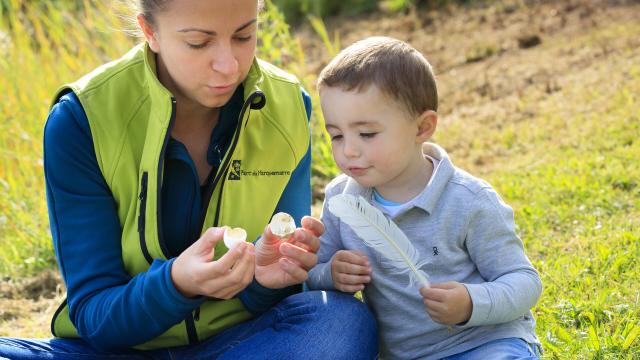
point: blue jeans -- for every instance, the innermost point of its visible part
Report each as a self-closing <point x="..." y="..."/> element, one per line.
<point x="502" y="349"/>
<point x="308" y="325"/>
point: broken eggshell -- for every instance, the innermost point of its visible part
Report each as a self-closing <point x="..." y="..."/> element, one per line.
<point x="282" y="225"/>
<point x="234" y="236"/>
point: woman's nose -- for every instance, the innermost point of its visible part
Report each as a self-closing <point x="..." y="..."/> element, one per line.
<point x="224" y="60"/>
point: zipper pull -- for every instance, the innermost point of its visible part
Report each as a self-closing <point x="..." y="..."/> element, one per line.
<point x="143" y="186"/>
<point x="143" y="202"/>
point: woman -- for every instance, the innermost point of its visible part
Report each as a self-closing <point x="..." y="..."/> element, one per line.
<point x="145" y="159"/>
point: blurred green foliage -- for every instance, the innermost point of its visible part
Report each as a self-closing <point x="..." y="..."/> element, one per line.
<point x="296" y="11"/>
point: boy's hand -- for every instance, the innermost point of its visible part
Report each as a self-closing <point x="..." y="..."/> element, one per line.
<point x="350" y="271"/>
<point x="447" y="303"/>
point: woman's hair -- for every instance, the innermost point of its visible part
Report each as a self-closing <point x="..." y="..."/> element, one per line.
<point x="149" y="8"/>
<point x="397" y="69"/>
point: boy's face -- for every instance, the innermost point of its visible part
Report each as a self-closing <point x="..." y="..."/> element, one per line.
<point x="374" y="140"/>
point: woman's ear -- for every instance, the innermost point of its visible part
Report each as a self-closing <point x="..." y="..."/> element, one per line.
<point x="427" y="123"/>
<point x="149" y="33"/>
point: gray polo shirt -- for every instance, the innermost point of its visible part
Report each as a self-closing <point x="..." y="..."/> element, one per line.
<point x="467" y="233"/>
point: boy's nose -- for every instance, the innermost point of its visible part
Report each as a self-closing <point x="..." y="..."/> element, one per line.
<point x="350" y="150"/>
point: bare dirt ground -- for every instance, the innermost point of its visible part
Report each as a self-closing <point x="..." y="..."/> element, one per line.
<point x="26" y="306"/>
<point x="486" y="57"/>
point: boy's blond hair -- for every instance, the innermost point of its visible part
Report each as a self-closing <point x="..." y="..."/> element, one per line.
<point x="397" y="69"/>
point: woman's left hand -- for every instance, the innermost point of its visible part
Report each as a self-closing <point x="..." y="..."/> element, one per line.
<point x="285" y="262"/>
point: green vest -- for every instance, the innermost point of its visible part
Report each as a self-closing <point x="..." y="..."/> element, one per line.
<point x="131" y="114"/>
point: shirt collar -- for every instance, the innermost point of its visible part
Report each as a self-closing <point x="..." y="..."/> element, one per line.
<point x="223" y="131"/>
<point x="428" y="198"/>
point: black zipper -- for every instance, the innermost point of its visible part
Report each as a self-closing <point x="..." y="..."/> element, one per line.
<point x="142" y="217"/>
<point x="189" y="322"/>
<point x="167" y="136"/>
<point x="143" y="195"/>
<point x="222" y="170"/>
<point x="190" y="325"/>
<point x="217" y="217"/>
<point x="220" y="176"/>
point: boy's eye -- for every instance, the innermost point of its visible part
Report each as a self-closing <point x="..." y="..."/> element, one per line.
<point x="336" y="137"/>
<point x="368" y="135"/>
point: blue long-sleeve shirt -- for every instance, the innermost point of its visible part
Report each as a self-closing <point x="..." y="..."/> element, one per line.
<point x="109" y="308"/>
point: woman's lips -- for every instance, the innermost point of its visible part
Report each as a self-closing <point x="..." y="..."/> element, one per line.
<point x="221" y="89"/>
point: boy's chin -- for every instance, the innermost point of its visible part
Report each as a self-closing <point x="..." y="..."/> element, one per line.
<point x="364" y="182"/>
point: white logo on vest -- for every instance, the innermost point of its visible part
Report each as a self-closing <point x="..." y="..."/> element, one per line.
<point x="237" y="172"/>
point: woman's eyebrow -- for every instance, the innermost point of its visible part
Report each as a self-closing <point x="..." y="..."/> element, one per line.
<point x="242" y="27"/>
<point x="211" y="32"/>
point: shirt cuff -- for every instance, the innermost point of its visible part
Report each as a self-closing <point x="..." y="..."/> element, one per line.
<point x="481" y="305"/>
<point x="320" y="277"/>
<point x="257" y="299"/>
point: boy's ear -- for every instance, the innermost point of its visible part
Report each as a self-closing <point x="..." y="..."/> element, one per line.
<point x="427" y="123"/>
<point x="149" y="33"/>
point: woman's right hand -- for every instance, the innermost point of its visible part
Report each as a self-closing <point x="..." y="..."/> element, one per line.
<point x="193" y="273"/>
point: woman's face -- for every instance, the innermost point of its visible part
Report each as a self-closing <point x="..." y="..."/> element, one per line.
<point x="204" y="48"/>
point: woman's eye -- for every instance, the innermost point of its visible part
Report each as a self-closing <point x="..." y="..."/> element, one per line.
<point x="243" y="38"/>
<point x="197" y="46"/>
<point x="368" y="135"/>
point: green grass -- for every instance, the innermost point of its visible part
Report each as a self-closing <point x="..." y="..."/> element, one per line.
<point x="570" y="170"/>
<point x="578" y="210"/>
<point x="43" y="48"/>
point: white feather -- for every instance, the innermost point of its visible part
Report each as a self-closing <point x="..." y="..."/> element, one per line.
<point x="381" y="234"/>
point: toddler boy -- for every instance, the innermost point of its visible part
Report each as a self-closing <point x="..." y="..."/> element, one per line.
<point x="379" y="101"/>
